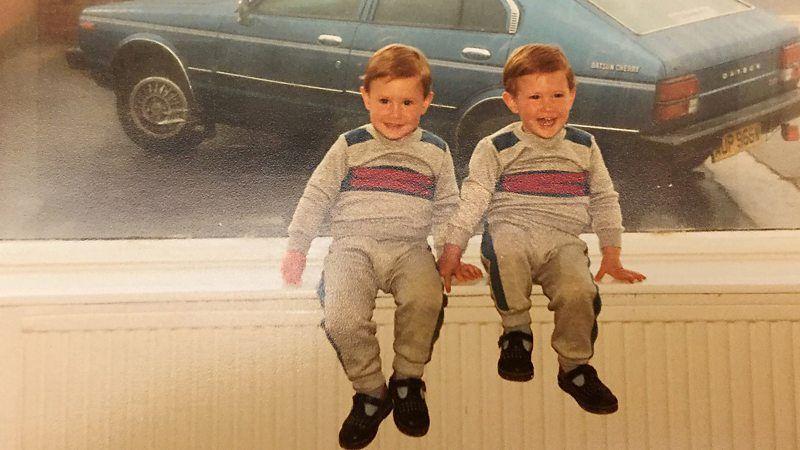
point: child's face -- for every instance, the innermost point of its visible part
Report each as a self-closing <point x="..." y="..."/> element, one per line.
<point x="395" y="105"/>
<point x="542" y="101"/>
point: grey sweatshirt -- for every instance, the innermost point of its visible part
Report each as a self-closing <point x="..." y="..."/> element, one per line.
<point x="375" y="187"/>
<point x="526" y="180"/>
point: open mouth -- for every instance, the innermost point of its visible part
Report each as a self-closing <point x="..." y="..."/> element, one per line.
<point x="546" y="122"/>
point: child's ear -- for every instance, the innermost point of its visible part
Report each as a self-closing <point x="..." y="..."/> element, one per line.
<point x="427" y="102"/>
<point x="571" y="97"/>
<point x="511" y="102"/>
<point x="364" y="96"/>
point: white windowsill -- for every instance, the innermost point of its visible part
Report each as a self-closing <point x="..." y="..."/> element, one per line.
<point x="63" y="272"/>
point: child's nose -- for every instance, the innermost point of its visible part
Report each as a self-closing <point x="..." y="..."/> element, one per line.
<point x="549" y="104"/>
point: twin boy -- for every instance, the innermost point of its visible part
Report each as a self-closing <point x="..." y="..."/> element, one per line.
<point x="388" y="184"/>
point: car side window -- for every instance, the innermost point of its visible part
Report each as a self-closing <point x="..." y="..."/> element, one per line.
<point x="321" y="9"/>
<point x="477" y="15"/>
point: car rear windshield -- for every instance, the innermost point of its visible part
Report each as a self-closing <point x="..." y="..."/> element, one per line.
<point x="647" y="16"/>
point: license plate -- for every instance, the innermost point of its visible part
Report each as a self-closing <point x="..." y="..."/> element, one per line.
<point x="736" y="141"/>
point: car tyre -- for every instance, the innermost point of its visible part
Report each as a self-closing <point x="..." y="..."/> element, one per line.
<point x="157" y="111"/>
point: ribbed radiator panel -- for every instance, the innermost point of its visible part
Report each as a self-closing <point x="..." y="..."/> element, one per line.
<point x="270" y="380"/>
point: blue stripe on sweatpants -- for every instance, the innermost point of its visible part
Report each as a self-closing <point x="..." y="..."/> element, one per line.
<point x="438" y="329"/>
<point x="597" y="304"/>
<point x="321" y="290"/>
<point x="321" y="295"/>
<point x="487" y="250"/>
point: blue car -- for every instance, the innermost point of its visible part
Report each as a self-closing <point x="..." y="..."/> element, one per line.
<point x="662" y="84"/>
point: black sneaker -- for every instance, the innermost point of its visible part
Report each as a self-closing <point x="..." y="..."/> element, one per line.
<point x="590" y="393"/>
<point x="410" y="410"/>
<point x="361" y="425"/>
<point x="515" y="356"/>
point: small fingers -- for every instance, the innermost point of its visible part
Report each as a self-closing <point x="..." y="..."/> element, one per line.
<point x="468" y="272"/>
<point x="628" y="276"/>
<point x="633" y="276"/>
<point x="600" y="274"/>
<point x="475" y="272"/>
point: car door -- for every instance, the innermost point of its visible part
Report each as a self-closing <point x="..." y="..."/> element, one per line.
<point x="288" y="50"/>
<point x="466" y="42"/>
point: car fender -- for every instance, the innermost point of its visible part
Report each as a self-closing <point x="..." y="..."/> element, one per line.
<point x="156" y="40"/>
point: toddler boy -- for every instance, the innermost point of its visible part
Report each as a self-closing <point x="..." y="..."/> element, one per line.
<point x="384" y="185"/>
<point x="540" y="183"/>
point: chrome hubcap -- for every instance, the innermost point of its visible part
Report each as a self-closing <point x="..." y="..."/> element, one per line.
<point x="158" y="107"/>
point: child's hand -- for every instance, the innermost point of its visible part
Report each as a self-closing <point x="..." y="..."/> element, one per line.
<point x="467" y="272"/>
<point x="449" y="263"/>
<point x="292" y="267"/>
<point x="612" y="265"/>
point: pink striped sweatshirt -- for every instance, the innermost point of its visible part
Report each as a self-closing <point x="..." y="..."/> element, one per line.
<point x="375" y="187"/>
<point x="529" y="181"/>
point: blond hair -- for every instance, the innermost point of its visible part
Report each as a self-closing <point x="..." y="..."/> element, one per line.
<point x="398" y="61"/>
<point x="535" y="58"/>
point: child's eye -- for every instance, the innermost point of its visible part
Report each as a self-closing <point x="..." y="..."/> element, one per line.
<point x="384" y="101"/>
<point x="535" y="97"/>
<point x="408" y="102"/>
<point x="559" y="95"/>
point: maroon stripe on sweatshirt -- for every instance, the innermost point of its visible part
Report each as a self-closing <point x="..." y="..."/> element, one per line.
<point x="550" y="183"/>
<point x="399" y="180"/>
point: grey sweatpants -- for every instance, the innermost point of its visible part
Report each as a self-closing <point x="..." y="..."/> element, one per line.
<point x="354" y="269"/>
<point x="515" y="258"/>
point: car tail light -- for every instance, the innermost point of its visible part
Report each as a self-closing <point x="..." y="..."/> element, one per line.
<point x="676" y="97"/>
<point x="86" y="25"/>
<point x="790" y="62"/>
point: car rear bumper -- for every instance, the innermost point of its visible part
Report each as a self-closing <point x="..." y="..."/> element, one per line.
<point x="78" y="60"/>
<point x="770" y="113"/>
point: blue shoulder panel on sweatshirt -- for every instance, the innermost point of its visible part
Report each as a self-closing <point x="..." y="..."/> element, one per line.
<point x="505" y="140"/>
<point x="578" y="136"/>
<point x="431" y="138"/>
<point x="357" y="136"/>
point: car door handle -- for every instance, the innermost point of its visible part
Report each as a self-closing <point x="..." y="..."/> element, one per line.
<point x="329" y="40"/>
<point x="476" y="53"/>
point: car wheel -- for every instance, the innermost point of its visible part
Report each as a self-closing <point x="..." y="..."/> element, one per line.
<point x="157" y="112"/>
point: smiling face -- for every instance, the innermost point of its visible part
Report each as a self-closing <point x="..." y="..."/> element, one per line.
<point x="395" y="105"/>
<point x="543" y="101"/>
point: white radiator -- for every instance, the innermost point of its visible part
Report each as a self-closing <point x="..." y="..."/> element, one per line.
<point x="690" y="370"/>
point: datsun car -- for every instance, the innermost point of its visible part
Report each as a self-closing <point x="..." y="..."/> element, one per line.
<point x="662" y="84"/>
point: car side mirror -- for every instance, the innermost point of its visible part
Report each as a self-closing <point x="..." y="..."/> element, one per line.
<point x="243" y="8"/>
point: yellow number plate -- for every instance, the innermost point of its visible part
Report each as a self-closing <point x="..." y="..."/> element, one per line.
<point x="736" y="141"/>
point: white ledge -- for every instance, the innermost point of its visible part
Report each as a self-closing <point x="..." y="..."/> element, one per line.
<point x="36" y="272"/>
